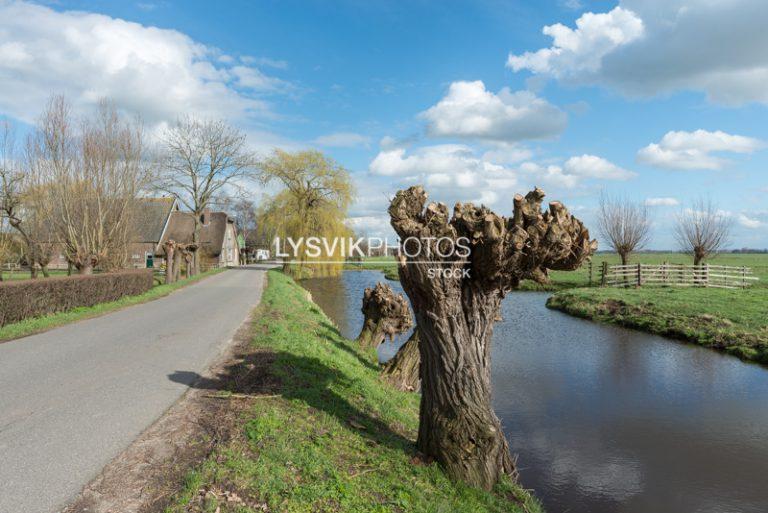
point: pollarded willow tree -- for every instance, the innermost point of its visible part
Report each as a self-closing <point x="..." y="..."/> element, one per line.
<point x="456" y="294"/>
<point x="385" y="313"/>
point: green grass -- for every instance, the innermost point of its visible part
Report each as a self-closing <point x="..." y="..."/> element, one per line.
<point x="38" y="324"/>
<point x="733" y="321"/>
<point x="25" y="275"/>
<point x="562" y="280"/>
<point x="335" y="438"/>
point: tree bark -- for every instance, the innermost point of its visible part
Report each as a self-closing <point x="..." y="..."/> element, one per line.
<point x="456" y="298"/>
<point x="176" y="265"/>
<point x="386" y="314"/>
<point x="624" y="258"/>
<point x="44" y="269"/>
<point x="169" y="247"/>
<point x="402" y="371"/>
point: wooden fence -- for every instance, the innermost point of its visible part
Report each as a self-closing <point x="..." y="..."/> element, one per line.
<point x="676" y="275"/>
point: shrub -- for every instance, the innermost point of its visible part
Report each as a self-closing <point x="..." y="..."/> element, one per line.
<point x="23" y="299"/>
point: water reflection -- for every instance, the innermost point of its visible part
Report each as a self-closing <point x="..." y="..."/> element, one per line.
<point x="606" y="420"/>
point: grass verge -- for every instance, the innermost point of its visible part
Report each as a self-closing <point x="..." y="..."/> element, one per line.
<point x="39" y="324"/>
<point x="733" y="321"/>
<point x="328" y="435"/>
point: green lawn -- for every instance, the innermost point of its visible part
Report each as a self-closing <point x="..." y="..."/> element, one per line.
<point x="25" y="275"/>
<point x="580" y="277"/>
<point x="39" y="324"/>
<point x="734" y="321"/>
<point x="331" y="436"/>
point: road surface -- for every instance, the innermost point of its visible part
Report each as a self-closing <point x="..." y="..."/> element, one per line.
<point x="73" y="398"/>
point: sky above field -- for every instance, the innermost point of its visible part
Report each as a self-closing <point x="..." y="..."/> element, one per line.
<point x="660" y="101"/>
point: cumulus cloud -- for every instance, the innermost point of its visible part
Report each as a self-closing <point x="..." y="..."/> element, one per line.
<point x="749" y="222"/>
<point x="591" y="166"/>
<point x="454" y="171"/>
<point x="648" y="47"/>
<point x="581" y="50"/>
<point x="159" y="73"/>
<point x="343" y="140"/>
<point x="694" y="150"/>
<point x="470" y="111"/>
<point x="662" y="202"/>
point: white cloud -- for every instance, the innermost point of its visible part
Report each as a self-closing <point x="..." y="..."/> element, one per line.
<point x="343" y="140"/>
<point x="503" y="153"/>
<point x="471" y="111"/>
<point x="662" y="202"/>
<point x="549" y="175"/>
<point x="649" y="47"/>
<point x="694" y="150"/>
<point x="454" y="171"/>
<point x="581" y="50"/>
<point x="159" y="73"/>
<point x="372" y="226"/>
<point x="591" y="166"/>
<point x="749" y="222"/>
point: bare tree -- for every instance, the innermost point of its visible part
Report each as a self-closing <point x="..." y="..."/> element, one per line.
<point x="202" y="160"/>
<point x="90" y="178"/>
<point x="624" y="224"/>
<point x="456" y="294"/>
<point x="702" y="230"/>
<point x="21" y="204"/>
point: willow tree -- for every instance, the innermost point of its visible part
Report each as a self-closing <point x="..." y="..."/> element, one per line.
<point x="313" y="201"/>
<point x="624" y="224"/>
<point x="22" y="204"/>
<point x="90" y="172"/>
<point x="703" y="230"/>
<point x="456" y="294"/>
<point x="385" y="314"/>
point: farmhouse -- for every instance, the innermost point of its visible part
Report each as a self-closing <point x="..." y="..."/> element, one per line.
<point x="160" y="219"/>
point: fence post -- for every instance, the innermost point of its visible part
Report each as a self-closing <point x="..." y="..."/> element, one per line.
<point x="604" y="274"/>
<point x="590" y="273"/>
<point x="664" y="272"/>
<point x="706" y="275"/>
<point x="639" y="275"/>
<point x="743" y="277"/>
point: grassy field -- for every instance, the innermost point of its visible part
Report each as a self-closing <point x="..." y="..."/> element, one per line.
<point x="329" y="436"/>
<point x="733" y="321"/>
<point x="38" y="324"/>
<point x="581" y="277"/>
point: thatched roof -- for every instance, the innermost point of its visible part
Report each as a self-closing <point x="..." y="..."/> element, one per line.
<point x="151" y="216"/>
<point x="182" y="225"/>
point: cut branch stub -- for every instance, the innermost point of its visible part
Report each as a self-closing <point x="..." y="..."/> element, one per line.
<point x="402" y="371"/>
<point x="456" y="297"/>
<point x="386" y="314"/>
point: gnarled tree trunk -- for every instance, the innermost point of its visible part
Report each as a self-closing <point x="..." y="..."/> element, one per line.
<point x="402" y="371"/>
<point x="169" y="247"/>
<point x="386" y="315"/>
<point x="456" y="294"/>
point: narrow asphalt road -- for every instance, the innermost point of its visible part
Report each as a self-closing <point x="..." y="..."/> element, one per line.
<point x="73" y="398"/>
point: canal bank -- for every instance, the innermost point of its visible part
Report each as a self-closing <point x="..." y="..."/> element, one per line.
<point x="732" y="321"/>
<point x="609" y="420"/>
<point x="324" y="432"/>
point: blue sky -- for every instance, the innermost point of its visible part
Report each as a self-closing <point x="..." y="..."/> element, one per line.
<point x="660" y="101"/>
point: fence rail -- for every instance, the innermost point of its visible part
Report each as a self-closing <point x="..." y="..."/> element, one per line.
<point x="677" y="275"/>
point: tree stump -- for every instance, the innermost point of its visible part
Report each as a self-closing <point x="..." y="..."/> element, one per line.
<point x="456" y="300"/>
<point x="386" y="314"/>
<point x="402" y="371"/>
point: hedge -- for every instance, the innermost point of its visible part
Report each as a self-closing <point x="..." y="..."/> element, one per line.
<point x="23" y="299"/>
